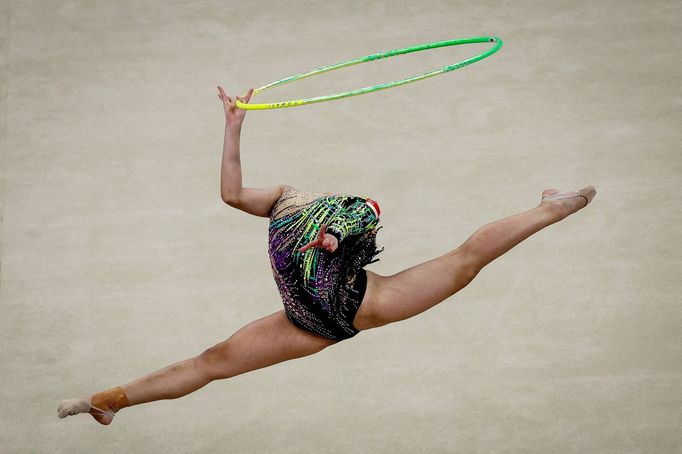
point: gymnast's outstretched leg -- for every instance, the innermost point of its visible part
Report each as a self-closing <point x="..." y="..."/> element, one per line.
<point x="410" y="292"/>
<point x="261" y="343"/>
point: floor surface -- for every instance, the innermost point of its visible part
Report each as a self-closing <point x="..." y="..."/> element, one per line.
<point x="118" y="256"/>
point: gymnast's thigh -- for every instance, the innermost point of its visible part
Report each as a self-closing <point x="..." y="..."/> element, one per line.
<point x="410" y="292"/>
<point x="367" y="315"/>
<point x="261" y="343"/>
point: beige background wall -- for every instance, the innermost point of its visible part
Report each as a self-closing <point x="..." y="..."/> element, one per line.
<point x="118" y="256"/>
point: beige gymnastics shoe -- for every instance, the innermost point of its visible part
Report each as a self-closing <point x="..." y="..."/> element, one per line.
<point x="588" y="193"/>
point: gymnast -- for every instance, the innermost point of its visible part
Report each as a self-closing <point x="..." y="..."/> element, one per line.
<point x="318" y="245"/>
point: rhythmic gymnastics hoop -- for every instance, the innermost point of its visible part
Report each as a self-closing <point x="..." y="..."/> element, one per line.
<point x="362" y="91"/>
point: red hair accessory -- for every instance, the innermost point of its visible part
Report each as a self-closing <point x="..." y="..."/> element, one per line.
<point x="375" y="206"/>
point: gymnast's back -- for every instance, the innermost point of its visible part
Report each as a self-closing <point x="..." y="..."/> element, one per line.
<point x="293" y="200"/>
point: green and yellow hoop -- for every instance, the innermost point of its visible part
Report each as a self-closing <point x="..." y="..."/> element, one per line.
<point x="362" y="91"/>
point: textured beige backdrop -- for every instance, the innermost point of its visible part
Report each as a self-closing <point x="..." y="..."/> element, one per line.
<point x="119" y="258"/>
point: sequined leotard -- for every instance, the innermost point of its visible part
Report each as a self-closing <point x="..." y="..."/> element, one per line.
<point x="322" y="291"/>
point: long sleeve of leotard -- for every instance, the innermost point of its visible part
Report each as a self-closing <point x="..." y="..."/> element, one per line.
<point x="354" y="217"/>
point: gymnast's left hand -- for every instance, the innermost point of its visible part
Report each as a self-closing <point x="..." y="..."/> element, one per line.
<point x="323" y="240"/>
<point x="234" y="116"/>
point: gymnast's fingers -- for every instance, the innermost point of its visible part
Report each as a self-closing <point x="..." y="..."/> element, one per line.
<point x="226" y="98"/>
<point x="306" y="247"/>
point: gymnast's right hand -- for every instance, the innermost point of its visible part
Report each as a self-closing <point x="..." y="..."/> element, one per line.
<point x="234" y="116"/>
<point x="323" y="240"/>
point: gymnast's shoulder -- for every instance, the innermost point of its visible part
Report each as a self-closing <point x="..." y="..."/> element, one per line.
<point x="258" y="201"/>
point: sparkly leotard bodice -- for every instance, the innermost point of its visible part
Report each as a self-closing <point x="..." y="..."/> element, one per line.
<point x="316" y="285"/>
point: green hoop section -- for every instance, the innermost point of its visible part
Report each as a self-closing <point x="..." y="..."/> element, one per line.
<point x="362" y="91"/>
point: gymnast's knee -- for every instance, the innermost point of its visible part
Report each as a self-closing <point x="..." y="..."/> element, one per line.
<point x="214" y="362"/>
<point x="469" y="262"/>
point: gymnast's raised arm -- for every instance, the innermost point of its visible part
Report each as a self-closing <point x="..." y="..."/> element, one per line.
<point x="255" y="201"/>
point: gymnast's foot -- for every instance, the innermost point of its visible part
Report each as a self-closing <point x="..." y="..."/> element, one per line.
<point x="102" y="406"/>
<point x="567" y="203"/>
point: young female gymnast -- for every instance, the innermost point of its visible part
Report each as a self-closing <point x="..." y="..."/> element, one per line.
<point x="318" y="246"/>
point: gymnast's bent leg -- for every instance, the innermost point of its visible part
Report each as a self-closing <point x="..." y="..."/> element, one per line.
<point x="261" y="343"/>
<point x="410" y="292"/>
